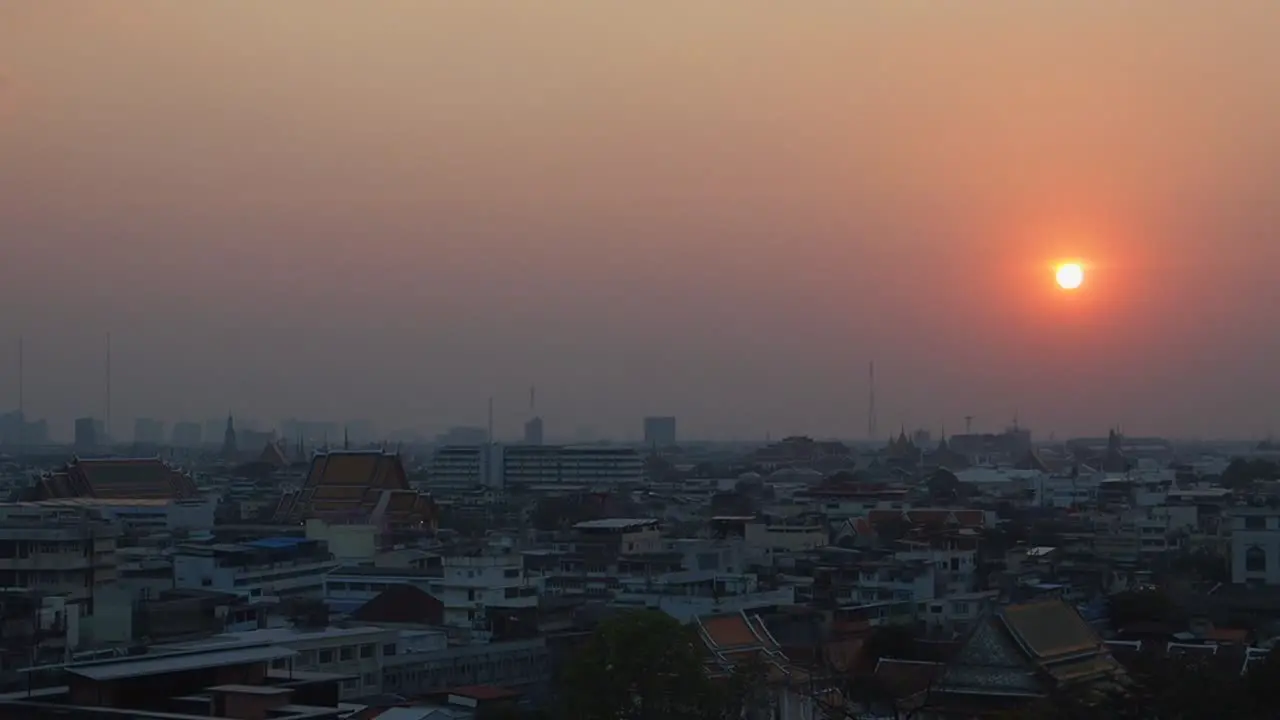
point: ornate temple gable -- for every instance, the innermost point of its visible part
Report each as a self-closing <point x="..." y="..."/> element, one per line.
<point x="989" y="661"/>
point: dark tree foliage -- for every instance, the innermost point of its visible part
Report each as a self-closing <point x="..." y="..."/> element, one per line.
<point x="1241" y="472"/>
<point x="945" y="487"/>
<point x="889" y="641"/>
<point x="1140" y="606"/>
<point x="646" y="666"/>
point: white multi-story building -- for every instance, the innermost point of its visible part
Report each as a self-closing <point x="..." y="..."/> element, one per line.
<point x="498" y="466"/>
<point x="139" y="516"/>
<point x="692" y="594"/>
<point x="270" y="567"/>
<point x="57" y="551"/>
<point x="351" y="586"/>
<point x="763" y="540"/>
<point x="1255" y="545"/>
<point x="357" y="652"/>
<point x="471" y="584"/>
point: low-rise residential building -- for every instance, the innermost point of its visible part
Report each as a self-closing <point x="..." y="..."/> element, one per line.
<point x="268" y="567"/>
<point x="57" y="551"/>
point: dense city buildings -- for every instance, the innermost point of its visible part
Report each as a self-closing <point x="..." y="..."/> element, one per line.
<point x="334" y="573"/>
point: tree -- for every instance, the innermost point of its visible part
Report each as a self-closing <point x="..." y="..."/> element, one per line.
<point x="945" y="487"/>
<point x="641" y="665"/>
<point x="1241" y="473"/>
<point x="1136" y="606"/>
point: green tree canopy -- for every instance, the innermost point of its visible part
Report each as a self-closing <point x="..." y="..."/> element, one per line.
<point x="643" y="665"/>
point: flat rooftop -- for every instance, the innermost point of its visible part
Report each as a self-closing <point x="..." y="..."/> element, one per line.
<point x="175" y="662"/>
<point x="615" y="523"/>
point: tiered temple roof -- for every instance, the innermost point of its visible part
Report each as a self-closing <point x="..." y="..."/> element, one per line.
<point x="356" y="486"/>
<point x="734" y="640"/>
<point x="116" y="478"/>
<point x="1023" y="652"/>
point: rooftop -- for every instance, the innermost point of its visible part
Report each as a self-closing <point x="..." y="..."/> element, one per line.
<point x="175" y="662"/>
<point x="615" y="524"/>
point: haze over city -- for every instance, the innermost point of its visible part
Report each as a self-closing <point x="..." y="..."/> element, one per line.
<point x="397" y="210"/>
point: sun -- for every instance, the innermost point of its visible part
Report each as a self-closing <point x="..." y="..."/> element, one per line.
<point x="1070" y="276"/>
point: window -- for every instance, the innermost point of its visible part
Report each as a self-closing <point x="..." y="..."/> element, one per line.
<point x="370" y="679"/>
<point x="347" y="653"/>
<point x="1255" y="559"/>
<point x="326" y="657"/>
<point x="1255" y="522"/>
<point x="389" y="649"/>
<point x="511" y="592"/>
<point x="511" y="573"/>
<point x="366" y="651"/>
<point x="960" y="608"/>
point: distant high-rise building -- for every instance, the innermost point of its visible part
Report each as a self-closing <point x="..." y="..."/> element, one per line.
<point x="87" y="435"/>
<point x="498" y="466"/>
<point x="533" y="431"/>
<point x="148" y="431"/>
<point x="16" y="429"/>
<point x="463" y="436"/>
<point x="187" y="434"/>
<point x="660" y="431"/>
<point x="229" y="447"/>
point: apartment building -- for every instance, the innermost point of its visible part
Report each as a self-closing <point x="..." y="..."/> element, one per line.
<point x="470" y="584"/>
<point x="268" y="567"/>
<point x="57" y="551"/>
<point x="354" y="652"/>
<point x="1255" y="545"/>
<point x="499" y="466"/>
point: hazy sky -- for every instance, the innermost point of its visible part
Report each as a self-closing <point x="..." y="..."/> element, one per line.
<point x="717" y="210"/>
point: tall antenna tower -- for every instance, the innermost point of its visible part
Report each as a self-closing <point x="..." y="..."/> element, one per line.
<point x="106" y="419"/>
<point x="871" y="400"/>
<point x="21" y="386"/>
<point x="968" y="424"/>
<point x="490" y="431"/>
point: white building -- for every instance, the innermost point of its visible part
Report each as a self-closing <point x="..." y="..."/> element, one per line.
<point x="498" y="466"/>
<point x="140" y="516"/>
<point x="350" y="586"/>
<point x="270" y="567"/>
<point x="1255" y="545"/>
<point x="692" y="594"/>
<point x="471" y="584"/>
<point x="57" y="551"/>
<point x="763" y="540"/>
<point x="355" y="651"/>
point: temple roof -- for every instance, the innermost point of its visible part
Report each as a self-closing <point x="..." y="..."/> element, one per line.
<point x="117" y="478"/>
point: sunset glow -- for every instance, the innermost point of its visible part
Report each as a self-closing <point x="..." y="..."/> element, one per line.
<point x="1070" y="276"/>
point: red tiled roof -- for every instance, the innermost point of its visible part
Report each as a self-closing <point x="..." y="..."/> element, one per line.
<point x="342" y="483"/>
<point x="729" y="631"/>
<point x="115" y="478"/>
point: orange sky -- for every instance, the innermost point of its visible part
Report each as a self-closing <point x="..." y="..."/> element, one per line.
<point x="719" y="210"/>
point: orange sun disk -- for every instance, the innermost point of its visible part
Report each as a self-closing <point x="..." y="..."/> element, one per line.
<point x="1070" y="276"/>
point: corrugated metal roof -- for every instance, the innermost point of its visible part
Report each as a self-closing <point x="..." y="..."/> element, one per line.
<point x="177" y="662"/>
<point x="276" y="543"/>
